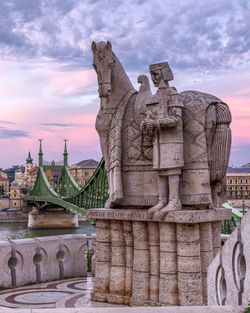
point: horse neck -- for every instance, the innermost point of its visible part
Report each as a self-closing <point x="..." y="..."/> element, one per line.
<point x="120" y="83"/>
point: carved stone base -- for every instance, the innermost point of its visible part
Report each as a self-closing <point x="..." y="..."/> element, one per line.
<point x="142" y="262"/>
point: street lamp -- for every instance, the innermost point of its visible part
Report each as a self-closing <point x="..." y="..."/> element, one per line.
<point x="241" y="193"/>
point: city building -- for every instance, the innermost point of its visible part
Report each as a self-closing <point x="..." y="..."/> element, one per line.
<point x="28" y="164"/>
<point x="22" y="174"/>
<point x="4" y="185"/>
<point x="20" y="177"/>
<point x="31" y="177"/>
<point x="11" y="172"/>
<point x="82" y="171"/>
<point x="16" y="198"/>
<point x="3" y="173"/>
<point x="238" y="182"/>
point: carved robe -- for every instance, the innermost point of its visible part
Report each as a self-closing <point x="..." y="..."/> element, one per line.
<point x="166" y="107"/>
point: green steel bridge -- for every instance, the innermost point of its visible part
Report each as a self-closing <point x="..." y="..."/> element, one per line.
<point x="68" y="195"/>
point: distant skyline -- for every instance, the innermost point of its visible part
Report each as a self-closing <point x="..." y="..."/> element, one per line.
<point x="48" y="88"/>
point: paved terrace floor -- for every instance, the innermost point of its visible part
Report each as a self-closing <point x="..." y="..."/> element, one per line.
<point x="73" y="296"/>
<point x="69" y="293"/>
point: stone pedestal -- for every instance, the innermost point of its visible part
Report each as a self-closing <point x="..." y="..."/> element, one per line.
<point x="145" y="262"/>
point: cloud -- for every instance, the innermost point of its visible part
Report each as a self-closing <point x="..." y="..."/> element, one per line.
<point x="240" y="154"/>
<point x="7" y="122"/>
<point x="189" y="34"/>
<point x="45" y="60"/>
<point x="7" y="133"/>
<point x="64" y="124"/>
<point x="245" y="117"/>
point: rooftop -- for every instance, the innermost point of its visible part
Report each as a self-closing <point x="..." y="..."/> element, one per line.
<point x="34" y="170"/>
<point x="90" y="163"/>
<point x="238" y="170"/>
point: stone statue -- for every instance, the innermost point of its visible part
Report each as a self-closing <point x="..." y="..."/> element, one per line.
<point x="164" y="119"/>
<point x="166" y="156"/>
<point x="194" y="131"/>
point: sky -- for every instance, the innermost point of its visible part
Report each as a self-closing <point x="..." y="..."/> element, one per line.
<point x="48" y="88"/>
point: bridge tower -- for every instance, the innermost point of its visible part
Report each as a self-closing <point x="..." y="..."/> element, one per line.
<point x="40" y="154"/>
<point x="65" y="154"/>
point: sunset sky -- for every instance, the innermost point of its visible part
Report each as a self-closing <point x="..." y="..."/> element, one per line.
<point x="48" y="88"/>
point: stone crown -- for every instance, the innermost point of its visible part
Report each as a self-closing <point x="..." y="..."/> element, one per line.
<point x="158" y="66"/>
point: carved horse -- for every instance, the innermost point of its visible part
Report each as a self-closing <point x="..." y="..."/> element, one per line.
<point x="128" y="154"/>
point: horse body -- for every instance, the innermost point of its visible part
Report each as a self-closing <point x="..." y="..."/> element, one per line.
<point x="128" y="154"/>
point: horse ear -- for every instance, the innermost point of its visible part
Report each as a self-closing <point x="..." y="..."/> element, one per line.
<point x="93" y="46"/>
<point x="109" y="46"/>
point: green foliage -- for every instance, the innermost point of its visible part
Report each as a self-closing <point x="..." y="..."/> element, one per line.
<point x="91" y="221"/>
<point x="247" y="310"/>
<point x="28" y="235"/>
<point x="3" y="288"/>
<point x="25" y="236"/>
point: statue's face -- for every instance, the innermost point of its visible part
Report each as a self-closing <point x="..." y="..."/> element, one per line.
<point x="156" y="77"/>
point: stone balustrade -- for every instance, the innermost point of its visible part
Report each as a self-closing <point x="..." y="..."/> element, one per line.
<point x="40" y="259"/>
<point x="229" y="273"/>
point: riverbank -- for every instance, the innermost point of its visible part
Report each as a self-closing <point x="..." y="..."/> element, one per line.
<point x="13" y="217"/>
<point x="14" y="230"/>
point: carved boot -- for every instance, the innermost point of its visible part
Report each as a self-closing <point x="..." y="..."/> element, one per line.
<point x="162" y="200"/>
<point x="174" y="202"/>
<point x="160" y="204"/>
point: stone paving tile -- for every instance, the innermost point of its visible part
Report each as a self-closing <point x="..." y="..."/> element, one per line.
<point x="73" y="296"/>
<point x="70" y="293"/>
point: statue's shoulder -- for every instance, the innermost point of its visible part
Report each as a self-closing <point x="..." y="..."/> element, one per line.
<point x="151" y="99"/>
<point x="174" y="99"/>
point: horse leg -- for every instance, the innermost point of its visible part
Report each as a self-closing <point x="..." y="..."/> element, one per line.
<point x="117" y="191"/>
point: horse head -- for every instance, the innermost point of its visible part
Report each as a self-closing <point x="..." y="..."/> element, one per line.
<point x="103" y="62"/>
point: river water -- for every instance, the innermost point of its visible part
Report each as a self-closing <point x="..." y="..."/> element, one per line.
<point x="19" y="230"/>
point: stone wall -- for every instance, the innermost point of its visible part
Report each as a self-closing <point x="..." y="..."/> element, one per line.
<point x="41" y="259"/>
<point x="13" y="203"/>
<point x="229" y="273"/>
<point x="13" y="217"/>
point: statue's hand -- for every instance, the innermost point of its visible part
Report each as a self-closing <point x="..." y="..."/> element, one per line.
<point x="167" y="122"/>
<point x="147" y="124"/>
<point x="150" y="125"/>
